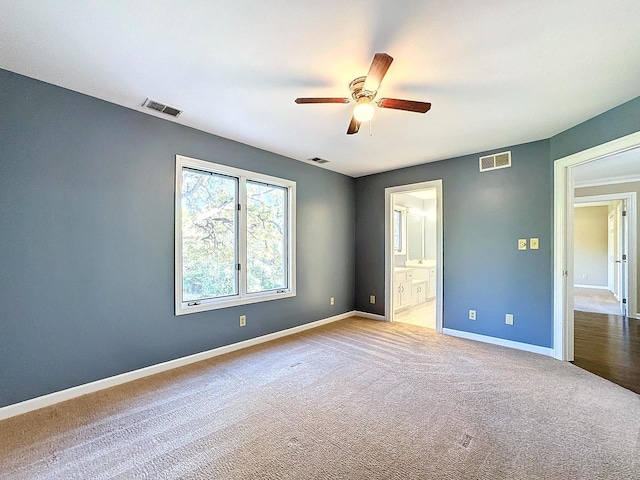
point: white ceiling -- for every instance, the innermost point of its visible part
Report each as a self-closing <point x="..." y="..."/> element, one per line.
<point x="425" y="194"/>
<point x="497" y="72"/>
<point x="619" y="168"/>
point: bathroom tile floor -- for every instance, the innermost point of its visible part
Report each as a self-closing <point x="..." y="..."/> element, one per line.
<point x="423" y="315"/>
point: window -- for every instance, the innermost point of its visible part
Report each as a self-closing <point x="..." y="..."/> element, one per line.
<point x="235" y="237"/>
<point x="399" y="240"/>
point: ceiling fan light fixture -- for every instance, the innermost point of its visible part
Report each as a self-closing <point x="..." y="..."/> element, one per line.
<point x="363" y="112"/>
<point x="364" y="91"/>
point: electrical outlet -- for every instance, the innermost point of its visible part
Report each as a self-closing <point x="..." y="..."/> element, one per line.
<point x="372" y="299"/>
<point x="508" y="319"/>
<point x="522" y="244"/>
<point x="243" y="320"/>
<point x="472" y="314"/>
<point x="332" y="300"/>
<point x="534" y="243"/>
<point x="585" y="276"/>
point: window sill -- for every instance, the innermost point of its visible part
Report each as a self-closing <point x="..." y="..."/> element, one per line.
<point x="235" y="301"/>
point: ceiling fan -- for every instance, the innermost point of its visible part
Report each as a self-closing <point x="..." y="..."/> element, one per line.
<point x="364" y="90"/>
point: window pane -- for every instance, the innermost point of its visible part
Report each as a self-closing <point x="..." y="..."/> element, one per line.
<point x="397" y="230"/>
<point x="266" y="237"/>
<point x="209" y="235"/>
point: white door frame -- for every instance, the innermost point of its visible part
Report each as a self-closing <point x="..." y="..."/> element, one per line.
<point x="563" y="238"/>
<point x="621" y="247"/>
<point x="388" y="246"/>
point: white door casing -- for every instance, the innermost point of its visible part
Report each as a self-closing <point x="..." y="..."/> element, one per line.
<point x="622" y="262"/>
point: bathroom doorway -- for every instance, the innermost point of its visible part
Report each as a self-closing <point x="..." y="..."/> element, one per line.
<point x="414" y="254"/>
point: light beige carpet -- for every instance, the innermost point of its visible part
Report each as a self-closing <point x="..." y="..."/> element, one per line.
<point x="356" y="399"/>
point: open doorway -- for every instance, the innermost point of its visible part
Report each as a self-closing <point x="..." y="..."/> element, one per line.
<point x="600" y="252"/>
<point x="414" y="254"/>
<point x="616" y="163"/>
<point x="606" y="337"/>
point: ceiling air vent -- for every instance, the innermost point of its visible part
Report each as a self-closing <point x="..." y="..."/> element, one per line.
<point x="161" y="107"/>
<point x="319" y="161"/>
<point x="495" y="161"/>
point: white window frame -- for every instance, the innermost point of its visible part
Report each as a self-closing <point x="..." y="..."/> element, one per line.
<point x="403" y="229"/>
<point x="242" y="297"/>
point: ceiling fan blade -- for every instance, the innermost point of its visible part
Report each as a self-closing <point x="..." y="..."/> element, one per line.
<point x="377" y="71"/>
<point x="323" y="100"/>
<point x="354" y="126"/>
<point x="407" y="105"/>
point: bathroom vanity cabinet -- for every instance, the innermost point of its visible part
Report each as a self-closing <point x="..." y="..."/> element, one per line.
<point x="413" y="285"/>
<point x="403" y="288"/>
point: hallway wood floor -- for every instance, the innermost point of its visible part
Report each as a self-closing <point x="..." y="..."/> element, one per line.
<point x="609" y="346"/>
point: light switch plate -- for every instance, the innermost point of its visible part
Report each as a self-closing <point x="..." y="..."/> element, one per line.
<point x="522" y="244"/>
<point x="534" y="244"/>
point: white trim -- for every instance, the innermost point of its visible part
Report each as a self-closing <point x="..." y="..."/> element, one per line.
<point x="241" y="297"/>
<point x="562" y="198"/>
<point x="601" y="200"/>
<point x="610" y="181"/>
<point x="388" y="246"/>
<point x="527" y="347"/>
<point x="91" y="387"/>
<point x="578" y="203"/>
<point x="371" y="316"/>
<point x="595" y="287"/>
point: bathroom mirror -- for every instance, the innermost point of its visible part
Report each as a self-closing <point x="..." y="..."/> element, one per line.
<point x="415" y="236"/>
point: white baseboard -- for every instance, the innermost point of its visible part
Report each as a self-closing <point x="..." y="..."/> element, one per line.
<point x="527" y="347"/>
<point x="371" y="316"/>
<point x="595" y="287"/>
<point x="73" y="392"/>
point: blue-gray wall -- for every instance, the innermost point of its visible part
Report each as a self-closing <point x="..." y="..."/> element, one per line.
<point x="87" y="241"/>
<point x="484" y="215"/>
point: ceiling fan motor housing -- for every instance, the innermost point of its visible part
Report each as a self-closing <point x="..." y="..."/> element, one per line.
<point x="358" y="93"/>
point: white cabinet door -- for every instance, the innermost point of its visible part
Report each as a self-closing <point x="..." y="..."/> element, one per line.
<point x="432" y="283"/>
<point x="396" y="296"/>
<point x="405" y="293"/>
<point x="402" y="287"/>
<point x="419" y="293"/>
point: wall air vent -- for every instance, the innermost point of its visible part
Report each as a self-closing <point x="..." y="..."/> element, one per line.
<point x="161" y="107"/>
<point x="319" y="161"/>
<point x="495" y="161"/>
